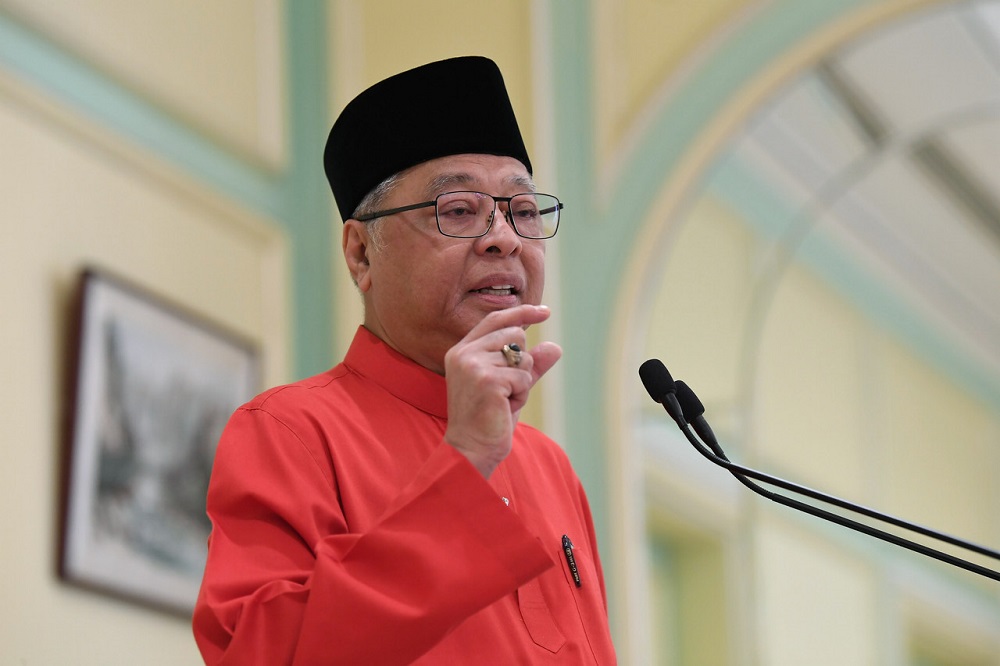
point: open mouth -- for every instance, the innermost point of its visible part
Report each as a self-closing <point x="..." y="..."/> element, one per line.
<point x="497" y="290"/>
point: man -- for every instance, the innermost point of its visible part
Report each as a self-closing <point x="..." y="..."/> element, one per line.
<point x="392" y="510"/>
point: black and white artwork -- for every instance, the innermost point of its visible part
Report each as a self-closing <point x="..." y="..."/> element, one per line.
<point x="154" y="387"/>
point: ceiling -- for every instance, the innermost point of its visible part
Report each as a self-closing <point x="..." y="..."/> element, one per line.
<point x="891" y="146"/>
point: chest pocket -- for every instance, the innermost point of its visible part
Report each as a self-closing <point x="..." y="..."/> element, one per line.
<point x="538" y="618"/>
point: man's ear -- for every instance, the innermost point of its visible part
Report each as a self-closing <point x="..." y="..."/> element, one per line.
<point x="355" y="243"/>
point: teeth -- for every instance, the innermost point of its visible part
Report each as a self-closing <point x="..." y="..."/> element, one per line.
<point x="497" y="290"/>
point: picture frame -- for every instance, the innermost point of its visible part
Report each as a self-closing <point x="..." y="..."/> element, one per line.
<point x="153" y="387"/>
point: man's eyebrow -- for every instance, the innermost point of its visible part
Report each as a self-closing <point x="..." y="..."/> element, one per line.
<point x="525" y="182"/>
<point x="449" y="181"/>
<point x="446" y="182"/>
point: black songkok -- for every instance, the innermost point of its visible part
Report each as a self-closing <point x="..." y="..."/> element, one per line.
<point x="449" y="107"/>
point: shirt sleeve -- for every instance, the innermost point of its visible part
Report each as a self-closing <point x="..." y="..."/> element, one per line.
<point x="286" y="582"/>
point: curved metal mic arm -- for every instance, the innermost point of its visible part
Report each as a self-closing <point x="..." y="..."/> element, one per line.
<point x="714" y="453"/>
<point x="741" y="473"/>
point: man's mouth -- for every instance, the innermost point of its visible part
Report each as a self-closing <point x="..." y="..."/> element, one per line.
<point x="497" y="290"/>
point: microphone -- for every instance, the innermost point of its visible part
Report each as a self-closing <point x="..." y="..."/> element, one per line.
<point x="660" y="386"/>
<point x="655" y="378"/>
<point x="694" y="414"/>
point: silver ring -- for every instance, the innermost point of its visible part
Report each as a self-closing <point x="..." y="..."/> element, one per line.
<point x="512" y="353"/>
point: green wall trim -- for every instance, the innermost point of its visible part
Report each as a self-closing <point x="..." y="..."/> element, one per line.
<point x="582" y="355"/>
<point x="308" y="210"/>
<point x="62" y="76"/>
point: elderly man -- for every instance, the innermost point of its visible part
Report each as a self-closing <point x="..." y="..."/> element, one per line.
<point x="392" y="510"/>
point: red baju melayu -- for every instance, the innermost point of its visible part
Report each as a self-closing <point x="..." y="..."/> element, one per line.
<point x="346" y="531"/>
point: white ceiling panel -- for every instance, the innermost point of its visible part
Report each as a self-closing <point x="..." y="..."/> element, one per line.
<point x="808" y="130"/>
<point x="921" y="291"/>
<point x="986" y="15"/>
<point x="977" y="146"/>
<point x="929" y="224"/>
<point x="949" y="308"/>
<point x="930" y="244"/>
<point x="923" y="71"/>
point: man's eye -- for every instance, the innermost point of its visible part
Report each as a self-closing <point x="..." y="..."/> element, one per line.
<point x="457" y="210"/>
<point x="458" y="205"/>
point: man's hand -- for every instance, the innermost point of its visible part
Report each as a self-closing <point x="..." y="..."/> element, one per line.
<point x="485" y="395"/>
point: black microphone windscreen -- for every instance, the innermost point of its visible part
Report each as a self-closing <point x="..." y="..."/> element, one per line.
<point x="656" y="378"/>
<point x="689" y="401"/>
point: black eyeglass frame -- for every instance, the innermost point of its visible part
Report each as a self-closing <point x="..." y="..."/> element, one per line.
<point x="496" y="201"/>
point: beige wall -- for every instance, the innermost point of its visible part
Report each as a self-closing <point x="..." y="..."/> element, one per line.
<point x="76" y="194"/>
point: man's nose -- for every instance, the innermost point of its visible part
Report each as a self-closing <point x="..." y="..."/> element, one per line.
<point x="502" y="235"/>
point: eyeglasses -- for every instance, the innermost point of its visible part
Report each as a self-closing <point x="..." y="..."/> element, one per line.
<point x="470" y="214"/>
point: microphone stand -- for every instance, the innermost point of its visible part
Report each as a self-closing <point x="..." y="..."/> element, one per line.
<point x="659" y="381"/>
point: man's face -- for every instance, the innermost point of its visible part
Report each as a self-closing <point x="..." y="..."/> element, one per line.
<point x="424" y="291"/>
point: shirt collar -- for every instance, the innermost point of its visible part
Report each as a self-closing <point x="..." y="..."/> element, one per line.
<point x="409" y="381"/>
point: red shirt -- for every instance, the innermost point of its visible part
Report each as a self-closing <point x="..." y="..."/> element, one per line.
<point x="346" y="531"/>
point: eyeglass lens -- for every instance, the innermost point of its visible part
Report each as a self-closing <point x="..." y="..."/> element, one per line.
<point x="468" y="214"/>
